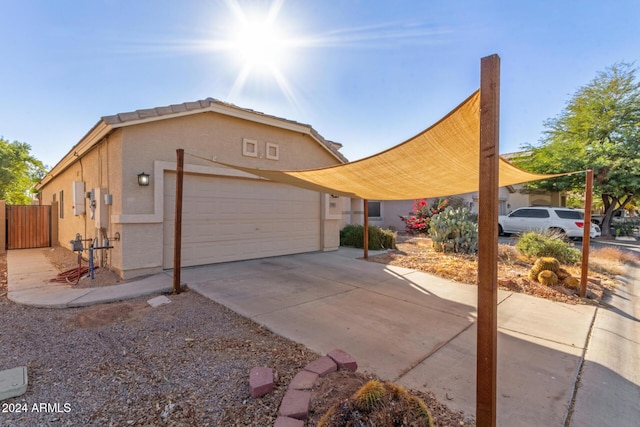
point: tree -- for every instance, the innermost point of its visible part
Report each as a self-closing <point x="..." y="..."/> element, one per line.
<point x="599" y="128"/>
<point x="19" y="171"/>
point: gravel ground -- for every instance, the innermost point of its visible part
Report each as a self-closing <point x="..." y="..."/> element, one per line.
<point x="181" y="364"/>
<point x="184" y="363"/>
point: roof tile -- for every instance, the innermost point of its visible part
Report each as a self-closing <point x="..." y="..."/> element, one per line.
<point x="150" y="112"/>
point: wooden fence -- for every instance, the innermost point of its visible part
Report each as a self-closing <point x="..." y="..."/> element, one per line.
<point x="28" y="226"/>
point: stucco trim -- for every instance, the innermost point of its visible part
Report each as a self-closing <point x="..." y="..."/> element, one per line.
<point x="159" y="168"/>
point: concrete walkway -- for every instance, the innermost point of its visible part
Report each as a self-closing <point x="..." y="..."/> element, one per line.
<point x="29" y="275"/>
<point x="410" y="327"/>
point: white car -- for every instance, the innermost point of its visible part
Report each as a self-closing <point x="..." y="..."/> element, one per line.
<point x="567" y="221"/>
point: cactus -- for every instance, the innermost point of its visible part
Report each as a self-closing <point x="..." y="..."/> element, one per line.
<point x="369" y="395"/>
<point x="562" y="274"/>
<point x="377" y="403"/>
<point x="548" y="277"/>
<point x="571" y="282"/>
<point x="542" y="264"/>
<point x="453" y="231"/>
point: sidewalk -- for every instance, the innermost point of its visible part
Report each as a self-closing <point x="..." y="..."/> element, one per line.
<point x="29" y="274"/>
<point x="609" y="390"/>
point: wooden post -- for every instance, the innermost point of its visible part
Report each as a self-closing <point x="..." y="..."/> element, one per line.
<point x="586" y="234"/>
<point x="366" y="229"/>
<point x="487" y="337"/>
<point x="177" y="239"/>
<point x="3" y="227"/>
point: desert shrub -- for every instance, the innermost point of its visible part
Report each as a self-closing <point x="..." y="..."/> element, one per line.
<point x="378" y="404"/>
<point x="612" y="254"/>
<point x="625" y="228"/>
<point x="535" y="244"/>
<point x="453" y="231"/>
<point x="353" y="235"/>
<point x="548" y="277"/>
<point x="508" y="254"/>
<point x="418" y="220"/>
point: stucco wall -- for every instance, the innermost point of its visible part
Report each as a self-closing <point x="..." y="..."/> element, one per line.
<point x="97" y="169"/>
<point x="136" y="212"/>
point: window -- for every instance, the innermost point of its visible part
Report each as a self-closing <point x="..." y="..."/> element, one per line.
<point x="530" y="213"/>
<point x="374" y="210"/>
<point x="568" y="214"/>
<point x="61" y="204"/>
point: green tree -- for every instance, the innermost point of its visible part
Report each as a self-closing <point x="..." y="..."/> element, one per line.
<point x="19" y="171"/>
<point x="599" y="128"/>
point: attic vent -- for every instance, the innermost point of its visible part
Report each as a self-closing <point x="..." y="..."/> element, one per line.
<point x="273" y="151"/>
<point x="249" y="147"/>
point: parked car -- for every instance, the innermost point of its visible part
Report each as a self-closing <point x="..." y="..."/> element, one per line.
<point x="621" y="215"/>
<point x="567" y="221"/>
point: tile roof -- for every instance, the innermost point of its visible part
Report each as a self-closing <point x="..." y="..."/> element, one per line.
<point x="185" y="107"/>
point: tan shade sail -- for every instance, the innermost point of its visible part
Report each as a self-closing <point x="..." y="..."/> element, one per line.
<point x="441" y="161"/>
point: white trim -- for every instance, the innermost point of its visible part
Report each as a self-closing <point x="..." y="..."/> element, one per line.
<point x="276" y="150"/>
<point x="159" y="168"/>
<point x="246" y="147"/>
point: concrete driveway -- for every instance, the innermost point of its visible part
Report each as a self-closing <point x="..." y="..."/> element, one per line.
<point x="411" y="327"/>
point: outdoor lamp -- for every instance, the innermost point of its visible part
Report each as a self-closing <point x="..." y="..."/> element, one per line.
<point x="143" y="179"/>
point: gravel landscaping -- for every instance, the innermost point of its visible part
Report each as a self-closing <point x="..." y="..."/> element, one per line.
<point x="181" y="364"/>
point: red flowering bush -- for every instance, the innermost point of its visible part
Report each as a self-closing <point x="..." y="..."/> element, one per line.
<point x="418" y="220"/>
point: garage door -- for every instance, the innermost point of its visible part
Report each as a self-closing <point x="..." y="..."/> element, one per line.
<point x="229" y="219"/>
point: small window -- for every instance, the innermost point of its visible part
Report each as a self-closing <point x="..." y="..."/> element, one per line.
<point x="565" y="214"/>
<point x="61" y="204"/>
<point x="374" y="210"/>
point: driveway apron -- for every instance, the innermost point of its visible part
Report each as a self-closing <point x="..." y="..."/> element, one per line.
<point x="411" y="327"/>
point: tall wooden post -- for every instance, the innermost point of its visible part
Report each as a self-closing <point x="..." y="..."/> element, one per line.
<point x="177" y="234"/>
<point x="487" y="338"/>
<point x="366" y="229"/>
<point x="586" y="234"/>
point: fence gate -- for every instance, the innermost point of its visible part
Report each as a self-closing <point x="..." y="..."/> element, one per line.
<point x="28" y="227"/>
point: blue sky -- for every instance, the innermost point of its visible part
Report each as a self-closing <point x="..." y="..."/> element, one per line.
<point x="366" y="73"/>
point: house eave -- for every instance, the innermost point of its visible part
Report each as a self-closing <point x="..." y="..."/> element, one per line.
<point x="233" y="111"/>
<point x="109" y="123"/>
<point x="95" y="135"/>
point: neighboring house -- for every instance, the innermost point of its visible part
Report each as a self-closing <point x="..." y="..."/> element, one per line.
<point x="386" y="214"/>
<point x="521" y="199"/>
<point x="227" y="215"/>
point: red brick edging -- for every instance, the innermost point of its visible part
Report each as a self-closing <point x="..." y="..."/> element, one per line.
<point x="294" y="408"/>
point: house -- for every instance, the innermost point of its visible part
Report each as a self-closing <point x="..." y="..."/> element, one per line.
<point x="387" y="213"/>
<point x="119" y="182"/>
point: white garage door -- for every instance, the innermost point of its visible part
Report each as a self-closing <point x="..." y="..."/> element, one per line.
<point x="229" y="219"/>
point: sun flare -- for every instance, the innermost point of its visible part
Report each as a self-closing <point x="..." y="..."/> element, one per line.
<point x="263" y="47"/>
<point x="259" y="44"/>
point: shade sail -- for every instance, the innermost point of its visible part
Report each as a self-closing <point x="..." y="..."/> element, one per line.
<point x="441" y="161"/>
